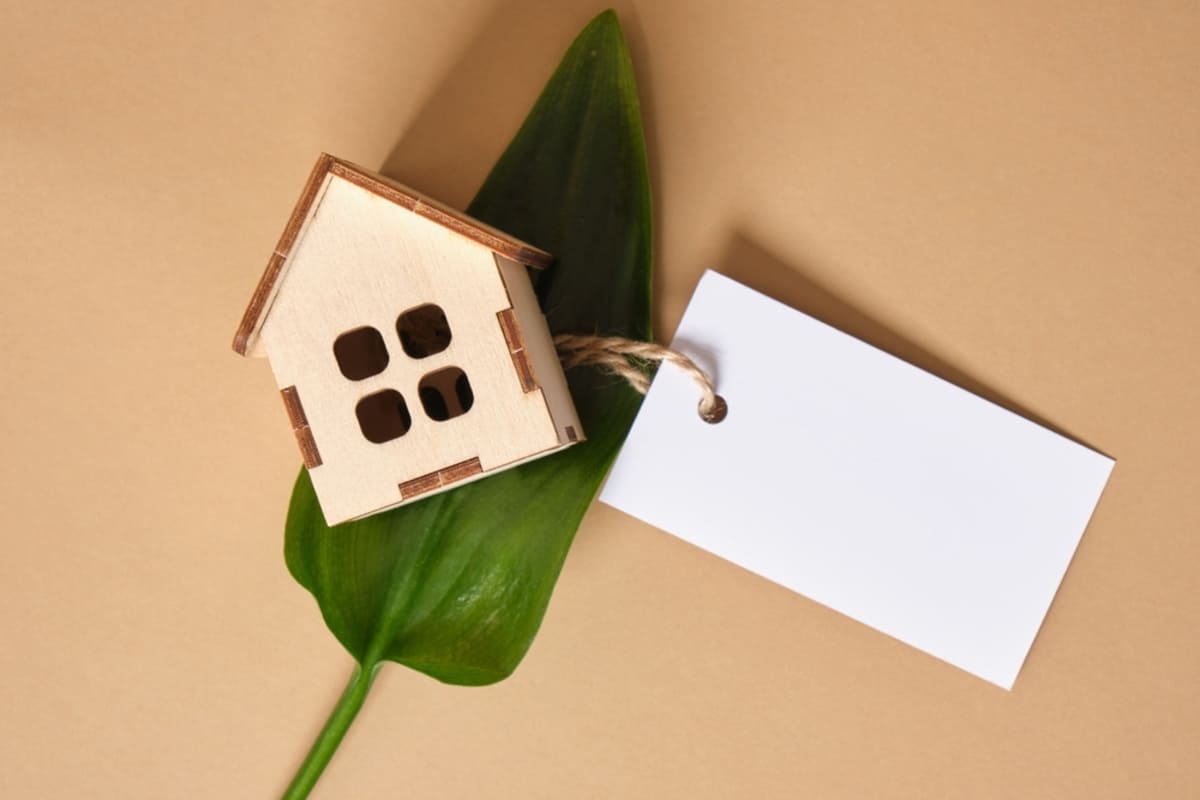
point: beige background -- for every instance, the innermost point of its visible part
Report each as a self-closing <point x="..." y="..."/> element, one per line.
<point x="1004" y="193"/>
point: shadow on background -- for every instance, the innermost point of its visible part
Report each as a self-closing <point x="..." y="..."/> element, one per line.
<point x="479" y="104"/>
<point x="477" y="107"/>
<point x="748" y="263"/>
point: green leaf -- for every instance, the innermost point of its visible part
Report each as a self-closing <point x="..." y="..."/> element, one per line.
<point x="456" y="585"/>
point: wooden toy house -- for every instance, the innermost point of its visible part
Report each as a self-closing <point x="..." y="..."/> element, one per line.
<point x="407" y="343"/>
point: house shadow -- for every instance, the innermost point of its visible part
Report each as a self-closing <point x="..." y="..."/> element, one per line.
<point x="478" y="105"/>
<point x="753" y="265"/>
<point x="476" y="108"/>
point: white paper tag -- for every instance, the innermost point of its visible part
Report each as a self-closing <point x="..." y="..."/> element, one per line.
<point x="860" y="481"/>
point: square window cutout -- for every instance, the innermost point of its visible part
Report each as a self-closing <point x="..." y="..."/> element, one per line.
<point x="446" y="394"/>
<point x="424" y="331"/>
<point x="360" y="353"/>
<point x="383" y="416"/>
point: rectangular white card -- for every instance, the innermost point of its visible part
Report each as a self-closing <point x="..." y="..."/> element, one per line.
<point x="860" y="481"/>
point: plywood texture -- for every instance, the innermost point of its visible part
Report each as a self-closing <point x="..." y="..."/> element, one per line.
<point x="358" y="256"/>
<point x="246" y="339"/>
<point x="1004" y="193"/>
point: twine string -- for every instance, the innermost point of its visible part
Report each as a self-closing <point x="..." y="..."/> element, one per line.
<point x="631" y="359"/>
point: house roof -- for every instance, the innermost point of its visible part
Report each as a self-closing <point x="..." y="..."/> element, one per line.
<point x="259" y="307"/>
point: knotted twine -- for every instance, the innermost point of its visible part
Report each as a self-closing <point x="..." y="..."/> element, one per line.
<point x="631" y="360"/>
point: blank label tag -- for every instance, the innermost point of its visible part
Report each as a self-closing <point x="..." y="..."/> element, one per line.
<point x="860" y="481"/>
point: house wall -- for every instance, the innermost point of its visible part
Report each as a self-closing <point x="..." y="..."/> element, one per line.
<point x="543" y="356"/>
<point x="362" y="260"/>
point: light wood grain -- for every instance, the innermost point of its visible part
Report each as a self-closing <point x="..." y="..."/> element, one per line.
<point x="245" y="340"/>
<point x="527" y="332"/>
<point x="361" y="258"/>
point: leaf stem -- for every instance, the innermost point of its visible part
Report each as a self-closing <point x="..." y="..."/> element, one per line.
<point x="331" y="735"/>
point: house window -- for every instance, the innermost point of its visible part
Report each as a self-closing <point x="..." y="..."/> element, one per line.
<point x="423" y="331"/>
<point x="383" y="416"/>
<point x="446" y="393"/>
<point x="360" y="353"/>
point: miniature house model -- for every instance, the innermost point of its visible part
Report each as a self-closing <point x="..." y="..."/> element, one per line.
<point x="407" y="344"/>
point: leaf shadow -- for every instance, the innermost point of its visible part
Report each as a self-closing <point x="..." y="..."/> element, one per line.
<point x="752" y="264"/>
<point x="473" y="112"/>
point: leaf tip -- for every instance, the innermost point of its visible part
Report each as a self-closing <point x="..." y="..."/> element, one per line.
<point x="606" y="23"/>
